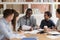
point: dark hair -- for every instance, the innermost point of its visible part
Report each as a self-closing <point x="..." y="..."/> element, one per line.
<point x="48" y="13"/>
<point x="29" y="9"/>
<point x="16" y="14"/>
<point x="58" y="10"/>
<point x="7" y="12"/>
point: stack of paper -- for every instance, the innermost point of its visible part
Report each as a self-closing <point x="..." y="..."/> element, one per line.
<point x="53" y="35"/>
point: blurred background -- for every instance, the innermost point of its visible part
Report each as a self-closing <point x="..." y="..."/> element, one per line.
<point x="38" y="9"/>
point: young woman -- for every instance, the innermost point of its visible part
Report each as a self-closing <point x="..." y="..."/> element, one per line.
<point x="14" y="21"/>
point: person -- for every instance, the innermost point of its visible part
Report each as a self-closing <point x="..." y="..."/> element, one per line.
<point x="47" y="22"/>
<point x="58" y="16"/>
<point x="14" y="20"/>
<point x="5" y="30"/>
<point x="27" y="19"/>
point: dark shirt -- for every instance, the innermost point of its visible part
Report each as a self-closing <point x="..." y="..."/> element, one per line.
<point x="48" y="23"/>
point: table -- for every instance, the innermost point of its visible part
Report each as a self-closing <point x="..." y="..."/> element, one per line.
<point x="40" y="37"/>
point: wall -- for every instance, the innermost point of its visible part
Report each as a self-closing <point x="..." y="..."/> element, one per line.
<point x="41" y="7"/>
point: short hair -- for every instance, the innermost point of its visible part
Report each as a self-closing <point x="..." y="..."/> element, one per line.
<point x="48" y="13"/>
<point x="7" y="12"/>
<point x="58" y="10"/>
<point x="29" y="9"/>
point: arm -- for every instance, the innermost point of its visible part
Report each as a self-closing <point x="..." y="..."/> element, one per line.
<point x="34" y="22"/>
<point x="19" y="24"/>
<point x="53" y="25"/>
<point x="41" y="25"/>
<point x="6" y="33"/>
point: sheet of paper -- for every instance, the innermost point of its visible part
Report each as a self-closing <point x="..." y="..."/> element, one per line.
<point x="53" y="32"/>
<point x="53" y="37"/>
<point x="25" y="27"/>
<point x="32" y="32"/>
<point x="40" y="29"/>
<point x="19" y="36"/>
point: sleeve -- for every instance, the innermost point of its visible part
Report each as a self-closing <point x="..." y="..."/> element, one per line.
<point x="41" y="25"/>
<point x="57" y="23"/>
<point x="53" y="24"/>
<point x="19" y="24"/>
<point x="34" y="22"/>
<point x="5" y="32"/>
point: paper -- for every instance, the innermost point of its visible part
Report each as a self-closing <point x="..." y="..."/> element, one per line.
<point x="32" y="32"/>
<point x="53" y="32"/>
<point x="19" y="36"/>
<point x="53" y="37"/>
<point x="25" y="27"/>
<point x="40" y="29"/>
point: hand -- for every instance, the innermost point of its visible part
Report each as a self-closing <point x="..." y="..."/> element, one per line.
<point x="31" y="29"/>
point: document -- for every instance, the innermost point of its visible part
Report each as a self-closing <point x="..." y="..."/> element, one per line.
<point x="32" y="32"/>
<point x="25" y="27"/>
<point x="53" y="35"/>
<point x="54" y="32"/>
<point x="40" y="29"/>
<point x="17" y="36"/>
<point x="20" y="36"/>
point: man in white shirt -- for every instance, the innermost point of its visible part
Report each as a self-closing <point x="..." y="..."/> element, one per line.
<point x="5" y="30"/>
<point x="58" y="16"/>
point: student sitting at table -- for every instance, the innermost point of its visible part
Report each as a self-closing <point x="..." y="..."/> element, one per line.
<point x="58" y="16"/>
<point x="47" y="22"/>
<point x="14" y="20"/>
<point x="27" y="20"/>
<point x="5" y="30"/>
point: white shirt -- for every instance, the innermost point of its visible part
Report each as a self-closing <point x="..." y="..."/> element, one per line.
<point x="58" y="24"/>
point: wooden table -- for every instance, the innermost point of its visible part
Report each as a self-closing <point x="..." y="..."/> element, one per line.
<point x="39" y="36"/>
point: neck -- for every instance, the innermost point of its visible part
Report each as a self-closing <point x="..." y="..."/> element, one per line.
<point x="47" y="19"/>
<point x="27" y="17"/>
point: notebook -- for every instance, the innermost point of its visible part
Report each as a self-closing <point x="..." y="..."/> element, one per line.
<point x="29" y="39"/>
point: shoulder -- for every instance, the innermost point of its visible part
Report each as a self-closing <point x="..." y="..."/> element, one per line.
<point x="51" y="20"/>
<point x="21" y="18"/>
<point x="32" y="17"/>
<point x="43" y="20"/>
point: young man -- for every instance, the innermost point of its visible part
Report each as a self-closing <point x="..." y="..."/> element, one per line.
<point x="58" y="16"/>
<point x="5" y="30"/>
<point x="46" y="21"/>
<point x="27" y="19"/>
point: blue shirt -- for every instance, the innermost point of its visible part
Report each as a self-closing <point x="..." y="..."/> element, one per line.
<point x="5" y="30"/>
<point x="48" y="23"/>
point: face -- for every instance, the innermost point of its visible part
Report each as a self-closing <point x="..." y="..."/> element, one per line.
<point x="10" y="17"/>
<point x="46" y="16"/>
<point x="57" y="15"/>
<point x="29" y="14"/>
